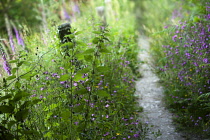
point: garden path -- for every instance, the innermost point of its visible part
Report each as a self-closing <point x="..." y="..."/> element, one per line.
<point x="150" y="98"/>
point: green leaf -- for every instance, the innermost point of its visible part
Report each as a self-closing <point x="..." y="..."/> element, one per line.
<point x="48" y="134"/>
<point x="64" y="77"/>
<point x="85" y="70"/>
<point x="88" y="58"/>
<point x="26" y="132"/>
<point x="80" y="43"/>
<point x="10" y="124"/>
<point x="89" y="51"/>
<point x="70" y="45"/>
<point x="102" y="69"/>
<point x="8" y="96"/>
<point x="13" y="61"/>
<point x="20" y="63"/>
<point x="95" y="40"/>
<point x="78" y="32"/>
<point x="17" y="84"/>
<point x="11" y="77"/>
<point x="106" y="39"/>
<point x="65" y="115"/>
<point x="6" y="109"/>
<point x="71" y="36"/>
<point x="78" y="77"/>
<point x="14" y="70"/>
<point x="26" y="76"/>
<point x="102" y="93"/>
<point x="107" y="34"/>
<point x="81" y="126"/>
<point x="79" y="109"/>
<point x="19" y="95"/>
<point x="51" y="107"/>
<point x="80" y="56"/>
<point x="96" y="32"/>
<point x="36" y="101"/>
<point x="104" y="50"/>
<point x="21" y="115"/>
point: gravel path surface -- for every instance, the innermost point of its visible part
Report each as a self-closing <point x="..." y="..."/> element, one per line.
<point x="150" y="98"/>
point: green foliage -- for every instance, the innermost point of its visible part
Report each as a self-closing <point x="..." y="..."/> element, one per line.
<point x="24" y="14"/>
<point x="79" y="90"/>
<point x="186" y="89"/>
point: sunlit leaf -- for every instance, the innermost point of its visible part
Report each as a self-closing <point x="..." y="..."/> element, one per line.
<point x="64" y="77"/>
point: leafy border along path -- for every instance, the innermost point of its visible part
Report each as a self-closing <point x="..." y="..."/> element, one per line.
<point x="150" y="98"/>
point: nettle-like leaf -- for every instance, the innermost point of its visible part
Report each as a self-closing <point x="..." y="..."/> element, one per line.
<point x="14" y="70"/>
<point x="28" y="76"/>
<point x="96" y="32"/>
<point x="70" y="45"/>
<point x="78" y="77"/>
<point x="80" y="43"/>
<point x="20" y="63"/>
<point x="104" y="51"/>
<point x="66" y="114"/>
<point x="71" y="36"/>
<point x="88" y="58"/>
<point x="19" y="95"/>
<point x="102" y="93"/>
<point x="95" y="40"/>
<point x="79" y="56"/>
<point x="64" y="77"/>
<point x="14" y="61"/>
<point x="21" y="115"/>
<point x="89" y="51"/>
<point x="11" y="123"/>
<point x="11" y="77"/>
<point x="79" y="108"/>
<point x="6" y="109"/>
<point x="78" y="32"/>
<point x="8" y="96"/>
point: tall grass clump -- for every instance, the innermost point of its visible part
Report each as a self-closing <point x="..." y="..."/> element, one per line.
<point x="180" y="48"/>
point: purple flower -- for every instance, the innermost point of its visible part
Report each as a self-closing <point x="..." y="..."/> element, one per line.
<point x="41" y="88"/>
<point x="75" y="84"/>
<point x="62" y="82"/>
<point x="76" y="8"/>
<point x="136" y="135"/>
<point x="41" y="96"/>
<point x="33" y="95"/>
<point x="107" y="133"/>
<point x="205" y="60"/>
<point x="174" y="38"/>
<point x="11" y="43"/>
<point x="66" y="15"/>
<point x="107" y="105"/>
<point x="19" y="39"/>
<point x="6" y="65"/>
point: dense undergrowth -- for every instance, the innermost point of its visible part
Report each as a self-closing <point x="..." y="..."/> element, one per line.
<point x="82" y="88"/>
<point x="180" y="34"/>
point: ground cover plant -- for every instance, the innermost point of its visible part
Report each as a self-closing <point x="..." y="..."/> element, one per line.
<point x="80" y="88"/>
<point x="180" y="48"/>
